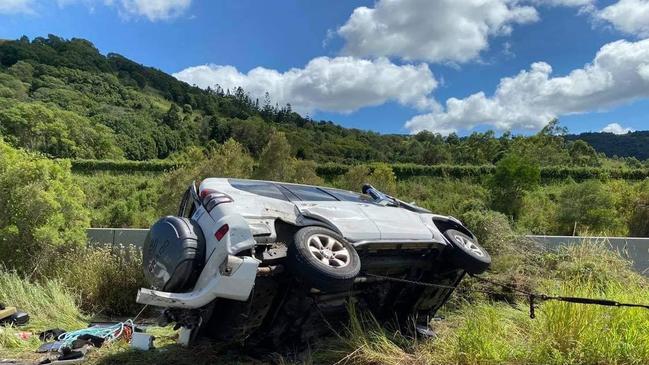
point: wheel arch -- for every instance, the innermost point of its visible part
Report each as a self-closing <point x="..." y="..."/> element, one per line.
<point x="446" y="223"/>
<point x="286" y="230"/>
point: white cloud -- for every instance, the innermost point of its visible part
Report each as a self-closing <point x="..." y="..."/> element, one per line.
<point x="435" y="31"/>
<point x="16" y="6"/>
<point x="569" y="3"/>
<point x="616" y="128"/>
<point x="628" y="16"/>
<point x="341" y="84"/>
<point x="153" y="10"/>
<point x="618" y="74"/>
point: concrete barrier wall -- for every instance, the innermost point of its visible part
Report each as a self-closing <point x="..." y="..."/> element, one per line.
<point x="635" y="249"/>
<point x="117" y="236"/>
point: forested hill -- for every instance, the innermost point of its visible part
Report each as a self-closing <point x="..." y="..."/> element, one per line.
<point x="634" y="144"/>
<point x="65" y="99"/>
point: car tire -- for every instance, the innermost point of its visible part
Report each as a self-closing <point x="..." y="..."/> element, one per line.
<point x="467" y="253"/>
<point x="322" y="259"/>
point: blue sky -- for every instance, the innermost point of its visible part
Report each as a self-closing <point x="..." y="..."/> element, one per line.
<point x="390" y="65"/>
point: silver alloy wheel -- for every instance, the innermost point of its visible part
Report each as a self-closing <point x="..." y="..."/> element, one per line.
<point x="328" y="250"/>
<point x="469" y="245"/>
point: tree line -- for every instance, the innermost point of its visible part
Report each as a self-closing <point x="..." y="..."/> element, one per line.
<point x="65" y="99"/>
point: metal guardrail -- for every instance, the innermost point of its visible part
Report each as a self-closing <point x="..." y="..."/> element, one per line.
<point x="634" y="248"/>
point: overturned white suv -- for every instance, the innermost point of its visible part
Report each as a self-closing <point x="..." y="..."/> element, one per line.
<point x="254" y="261"/>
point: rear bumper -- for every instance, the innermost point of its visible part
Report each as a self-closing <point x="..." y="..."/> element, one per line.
<point x="234" y="281"/>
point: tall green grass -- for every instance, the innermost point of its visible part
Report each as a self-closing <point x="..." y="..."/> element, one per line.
<point x="48" y="304"/>
<point x="484" y="331"/>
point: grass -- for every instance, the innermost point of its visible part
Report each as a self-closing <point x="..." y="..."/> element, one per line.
<point x="488" y="332"/>
<point x="48" y="304"/>
<point x="477" y="329"/>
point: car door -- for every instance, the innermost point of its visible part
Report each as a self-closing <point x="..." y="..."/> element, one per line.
<point x="396" y="223"/>
<point x="393" y="223"/>
<point x="347" y="217"/>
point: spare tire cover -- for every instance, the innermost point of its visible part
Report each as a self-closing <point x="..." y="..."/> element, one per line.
<point x="173" y="254"/>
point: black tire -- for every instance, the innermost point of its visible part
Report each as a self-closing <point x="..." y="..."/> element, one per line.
<point x="467" y="253"/>
<point x="335" y="276"/>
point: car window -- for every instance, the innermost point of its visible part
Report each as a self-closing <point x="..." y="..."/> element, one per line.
<point x="349" y="196"/>
<point x="258" y="187"/>
<point x="309" y="193"/>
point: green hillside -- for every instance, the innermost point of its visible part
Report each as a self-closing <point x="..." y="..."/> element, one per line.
<point x="633" y="144"/>
<point x="65" y="99"/>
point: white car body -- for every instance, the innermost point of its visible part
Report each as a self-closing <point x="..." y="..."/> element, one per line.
<point x="251" y="219"/>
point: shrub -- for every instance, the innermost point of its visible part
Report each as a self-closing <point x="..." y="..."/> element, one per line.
<point x="382" y="177"/>
<point x="305" y="173"/>
<point x="354" y="178"/>
<point x="589" y="207"/>
<point x="276" y="161"/>
<point x="539" y="211"/>
<point x="514" y="258"/>
<point x="227" y="160"/>
<point x="639" y="216"/>
<point x="121" y="200"/>
<point x="639" y="222"/>
<point x="514" y="176"/>
<point x="446" y="196"/>
<point x="40" y="207"/>
<point x="105" y="278"/>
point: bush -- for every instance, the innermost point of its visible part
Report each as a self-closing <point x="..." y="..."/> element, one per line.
<point x="639" y="222"/>
<point x="446" y="196"/>
<point x="539" y="211"/>
<point x="514" y="176"/>
<point x="511" y="252"/>
<point x="382" y="177"/>
<point x="589" y="207"/>
<point x="81" y="165"/>
<point x="121" y="200"/>
<point x="639" y="216"/>
<point x="227" y="160"/>
<point x="105" y="278"/>
<point x="354" y="178"/>
<point x="276" y="161"/>
<point x="41" y="207"/>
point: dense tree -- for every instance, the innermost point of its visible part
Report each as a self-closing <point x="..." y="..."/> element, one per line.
<point x="40" y="207"/>
<point x="514" y="176"/>
<point x="275" y="161"/>
<point x="152" y="115"/>
<point x="587" y="207"/>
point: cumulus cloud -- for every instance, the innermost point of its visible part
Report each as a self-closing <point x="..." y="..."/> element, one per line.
<point x="341" y="84"/>
<point x="616" y="128"/>
<point x="153" y="10"/>
<point x="568" y="3"/>
<point x="16" y="7"/>
<point x="434" y="31"/>
<point x="628" y="16"/>
<point x="618" y="74"/>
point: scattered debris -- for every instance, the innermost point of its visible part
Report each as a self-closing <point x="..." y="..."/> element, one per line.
<point x="11" y="316"/>
<point x="142" y="341"/>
